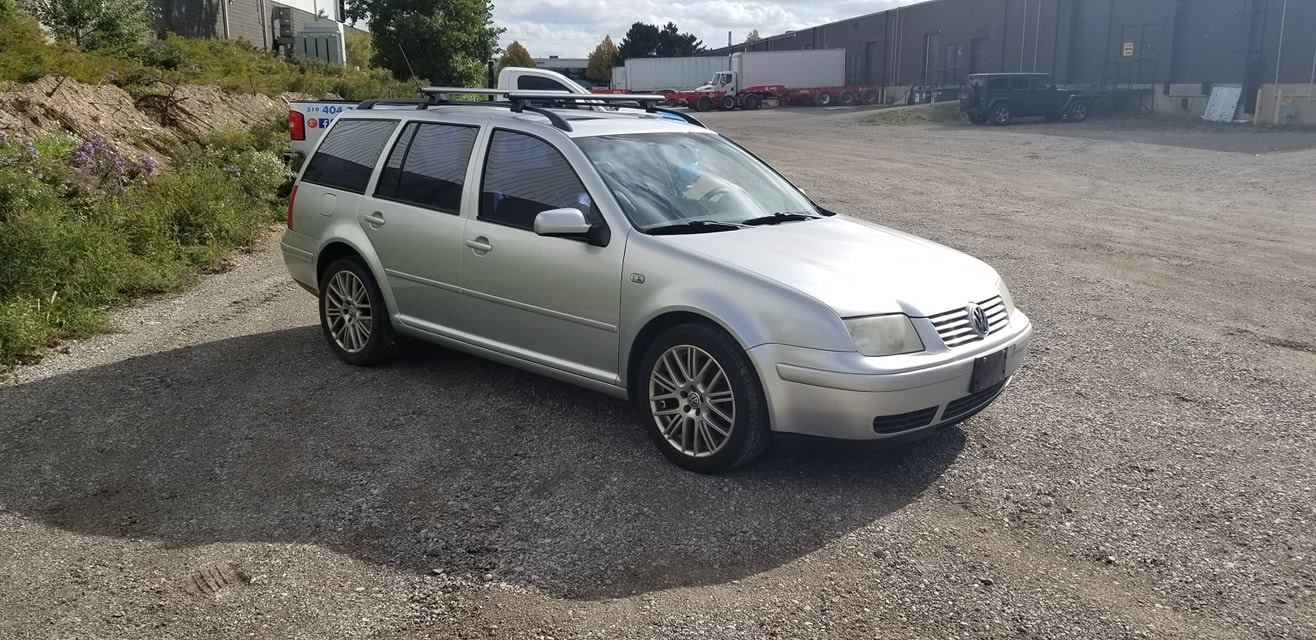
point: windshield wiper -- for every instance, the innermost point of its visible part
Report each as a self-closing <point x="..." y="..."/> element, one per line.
<point x="779" y="217"/>
<point x="693" y="226"/>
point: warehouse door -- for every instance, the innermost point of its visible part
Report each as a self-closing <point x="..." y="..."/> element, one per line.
<point x="978" y="55"/>
<point x="1138" y="55"/>
<point x="932" y="58"/>
<point x="873" y="63"/>
<point x="1090" y="49"/>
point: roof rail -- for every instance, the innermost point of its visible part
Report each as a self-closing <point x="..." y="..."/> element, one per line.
<point x="372" y="103"/>
<point x="520" y="101"/>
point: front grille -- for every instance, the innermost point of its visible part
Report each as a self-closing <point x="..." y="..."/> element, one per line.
<point x="971" y="404"/>
<point x="955" y="329"/>
<point x="904" y="421"/>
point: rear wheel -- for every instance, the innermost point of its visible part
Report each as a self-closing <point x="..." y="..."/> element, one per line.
<point x="1077" y="112"/>
<point x="751" y="102"/>
<point x="823" y="99"/>
<point x="704" y="103"/>
<point x="847" y="98"/>
<point x="728" y="103"/>
<point x="353" y="316"/>
<point x="706" y="409"/>
<point x="1001" y="115"/>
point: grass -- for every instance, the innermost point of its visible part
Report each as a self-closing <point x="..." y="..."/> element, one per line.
<point x="941" y="113"/>
<point x="84" y="229"/>
<point x="25" y="55"/>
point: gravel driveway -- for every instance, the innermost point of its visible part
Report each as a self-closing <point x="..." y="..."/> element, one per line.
<point x="213" y="472"/>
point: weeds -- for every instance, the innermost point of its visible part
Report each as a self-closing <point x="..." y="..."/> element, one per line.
<point x="84" y="228"/>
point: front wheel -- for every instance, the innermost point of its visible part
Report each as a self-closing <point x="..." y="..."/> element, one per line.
<point x="705" y="407"/>
<point x="1077" y="112"/>
<point x="353" y="316"/>
<point x="728" y="103"/>
<point x="1001" y="115"/>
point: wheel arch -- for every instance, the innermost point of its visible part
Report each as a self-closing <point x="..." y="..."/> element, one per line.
<point x="655" y="327"/>
<point x="340" y="247"/>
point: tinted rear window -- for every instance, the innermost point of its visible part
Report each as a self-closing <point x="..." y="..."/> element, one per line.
<point x="434" y="170"/>
<point x="998" y="84"/>
<point x="536" y="83"/>
<point x="348" y="154"/>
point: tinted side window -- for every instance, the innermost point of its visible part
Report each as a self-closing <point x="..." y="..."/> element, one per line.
<point x="523" y="176"/>
<point x="387" y="187"/>
<point x="348" y="154"/>
<point x="1020" y="83"/>
<point x="435" y="167"/>
<point x="998" y="84"/>
<point x="536" y="83"/>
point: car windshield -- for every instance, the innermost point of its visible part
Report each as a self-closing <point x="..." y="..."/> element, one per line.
<point x="662" y="179"/>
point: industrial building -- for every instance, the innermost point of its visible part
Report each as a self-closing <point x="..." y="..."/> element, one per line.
<point x="275" y="26"/>
<point x="1163" y="56"/>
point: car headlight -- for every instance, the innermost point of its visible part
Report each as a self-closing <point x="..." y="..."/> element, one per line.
<point x="1004" y="291"/>
<point x="887" y="335"/>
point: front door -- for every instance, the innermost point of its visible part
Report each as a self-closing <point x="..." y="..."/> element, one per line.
<point x="554" y="301"/>
<point x="414" y="221"/>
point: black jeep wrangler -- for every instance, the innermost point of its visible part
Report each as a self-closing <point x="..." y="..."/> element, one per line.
<point x="999" y="98"/>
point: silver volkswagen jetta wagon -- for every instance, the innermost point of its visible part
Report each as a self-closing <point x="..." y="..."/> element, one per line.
<point x="635" y="252"/>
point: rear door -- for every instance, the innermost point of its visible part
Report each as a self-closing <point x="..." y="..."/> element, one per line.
<point x="554" y="301"/>
<point x="337" y="174"/>
<point x="414" y="221"/>
<point x="1022" y="96"/>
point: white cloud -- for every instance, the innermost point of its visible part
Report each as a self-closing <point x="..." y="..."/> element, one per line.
<point x="572" y="28"/>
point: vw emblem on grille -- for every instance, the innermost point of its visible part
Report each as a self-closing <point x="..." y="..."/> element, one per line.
<point x="978" y="319"/>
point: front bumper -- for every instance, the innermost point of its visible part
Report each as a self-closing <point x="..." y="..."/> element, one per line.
<point x="839" y="395"/>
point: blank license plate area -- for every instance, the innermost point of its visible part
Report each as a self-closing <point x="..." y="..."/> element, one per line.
<point x="988" y="371"/>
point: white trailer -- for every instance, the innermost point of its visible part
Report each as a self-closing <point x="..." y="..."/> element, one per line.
<point x="811" y="76"/>
<point x="670" y="74"/>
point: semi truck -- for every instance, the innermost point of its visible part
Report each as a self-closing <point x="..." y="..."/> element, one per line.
<point x="756" y="78"/>
<point x="649" y="75"/>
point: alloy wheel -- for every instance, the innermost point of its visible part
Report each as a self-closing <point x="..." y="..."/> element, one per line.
<point x="691" y="401"/>
<point x="347" y="308"/>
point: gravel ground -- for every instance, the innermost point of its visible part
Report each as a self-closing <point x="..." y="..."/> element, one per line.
<point x="212" y="471"/>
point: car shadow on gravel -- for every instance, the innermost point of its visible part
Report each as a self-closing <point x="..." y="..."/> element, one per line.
<point x="441" y="461"/>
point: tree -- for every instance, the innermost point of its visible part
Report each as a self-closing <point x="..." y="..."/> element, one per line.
<point x="448" y="41"/>
<point x="601" y="61"/>
<point x="640" y="41"/>
<point x="752" y="37"/>
<point x="98" y="24"/>
<point x="648" y="41"/>
<point x="516" y="56"/>
<point x="673" y="43"/>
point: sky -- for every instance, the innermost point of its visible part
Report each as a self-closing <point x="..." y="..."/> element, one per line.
<point x="572" y="28"/>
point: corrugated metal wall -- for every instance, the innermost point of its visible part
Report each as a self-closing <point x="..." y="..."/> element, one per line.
<point x="1084" y="42"/>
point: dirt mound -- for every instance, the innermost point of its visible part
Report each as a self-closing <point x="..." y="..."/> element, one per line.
<point x="54" y="104"/>
<point x="148" y="123"/>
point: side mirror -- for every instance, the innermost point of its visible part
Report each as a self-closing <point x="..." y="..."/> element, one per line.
<point x="561" y="222"/>
<point x="571" y="223"/>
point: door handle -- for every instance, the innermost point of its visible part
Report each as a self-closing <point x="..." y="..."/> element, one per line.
<point x="480" y="245"/>
<point x="375" y="220"/>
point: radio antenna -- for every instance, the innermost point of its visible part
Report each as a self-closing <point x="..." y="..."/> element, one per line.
<point x="409" y="69"/>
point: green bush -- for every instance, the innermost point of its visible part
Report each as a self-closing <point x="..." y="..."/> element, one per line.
<point x="25" y="55"/>
<point x="84" y="228"/>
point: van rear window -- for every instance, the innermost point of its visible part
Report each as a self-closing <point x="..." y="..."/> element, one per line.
<point x="348" y="154"/>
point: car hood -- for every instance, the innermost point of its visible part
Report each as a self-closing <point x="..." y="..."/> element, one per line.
<point x="856" y="267"/>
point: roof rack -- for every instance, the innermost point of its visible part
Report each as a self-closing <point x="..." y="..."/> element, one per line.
<point x="374" y="102"/>
<point x="520" y="101"/>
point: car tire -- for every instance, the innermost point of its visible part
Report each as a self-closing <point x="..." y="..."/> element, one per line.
<point x="1078" y="112"/>
<point x="353" y="316"/>
<point x="1001" y="115"/>
<point x="823" y="99"/>
<point x="704" y="103"/>
<point x="868" y="96"/>
<point x="847" y="98"/>
<point x="728" y="103"/>
<point x="751" y="102"/>
<point x="711" y="419"/>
